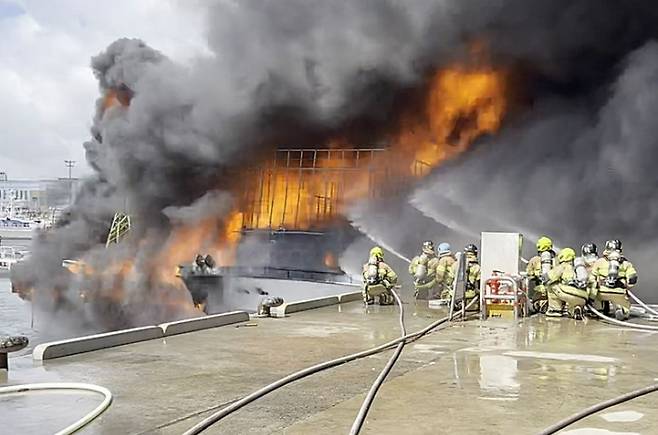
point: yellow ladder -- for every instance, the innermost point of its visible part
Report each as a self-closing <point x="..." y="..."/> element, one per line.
<point x="120" y="227"/>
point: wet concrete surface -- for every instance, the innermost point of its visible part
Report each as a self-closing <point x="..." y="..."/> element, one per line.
<point x="490" y="377"/>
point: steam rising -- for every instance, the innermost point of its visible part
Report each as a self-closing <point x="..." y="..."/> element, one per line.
<point x="575" y="158"/>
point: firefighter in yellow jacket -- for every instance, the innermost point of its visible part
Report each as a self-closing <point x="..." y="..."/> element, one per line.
<point x="562" y="287"/>
<point x="540" y="265"/>
<point x="423" y="271"/>
<point x="378" y="279"/>
<point x="611" y="276"/>
<point x="472" y="275"/>
<point x="444" y="275"/>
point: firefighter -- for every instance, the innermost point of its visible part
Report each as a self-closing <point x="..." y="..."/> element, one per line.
<point x="378" y="279"/>
<point x="612" y="275"/>
<point x="583" y="265"/>
<point x="423" y="271"/>
<point x="199" y="267"/>
<point x="540" y="265"/>
<point x="444" y="275"/>
<point x="472" y="275"/>
<point x="562" y="289"/>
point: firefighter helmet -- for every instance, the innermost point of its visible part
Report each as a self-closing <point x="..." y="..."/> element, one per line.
<point x="377" y="252"/>
<point x="544" y="244"/>
<point x="565" y="255"/>
<point x="428" y="247"/>
<point x="613" y="245"/>
<point x="471" y="249"/>
<point x="588" y="249"/>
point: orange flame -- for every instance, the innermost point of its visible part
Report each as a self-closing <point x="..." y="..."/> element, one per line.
<point x="110" y="99"/>
<point x="462" y="106"/>
<point x="313" y="189"/>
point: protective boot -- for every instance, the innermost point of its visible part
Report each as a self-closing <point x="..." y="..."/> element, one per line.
<point x="540" y="306"/>
<point x="578" y="313"/>
<point x="619" y="313"/>
<point x="553" y="313"/>
<point x="386" y="299"/>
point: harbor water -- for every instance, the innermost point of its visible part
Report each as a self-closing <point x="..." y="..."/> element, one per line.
<point x="16" y="315"/>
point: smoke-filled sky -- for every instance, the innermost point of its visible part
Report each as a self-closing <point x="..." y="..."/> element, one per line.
<point x="47" y="88"/>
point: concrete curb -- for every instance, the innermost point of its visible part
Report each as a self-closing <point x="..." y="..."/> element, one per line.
<point x="349" y="297"/>
<point x="304" y="305"/>
<point x="205" y="322"/>
<point x="57" y="349"/>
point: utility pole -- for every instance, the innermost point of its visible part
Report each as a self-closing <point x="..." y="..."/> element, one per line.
<point x="70" y="164"/>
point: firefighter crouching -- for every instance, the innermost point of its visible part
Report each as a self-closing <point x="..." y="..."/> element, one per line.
<point x="423" y="271"/>
<point x="540" y="265"/>
<point x="378" y="279"/>
<point x="583" y="267"/>
<point x="611" y="277"/>
<point x="563" y="289"/>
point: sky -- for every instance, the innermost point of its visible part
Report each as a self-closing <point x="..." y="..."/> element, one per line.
<point x="47" y="89"/>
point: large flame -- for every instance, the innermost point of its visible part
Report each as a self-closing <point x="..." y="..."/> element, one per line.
<point x="462" y="105"/>
<point x="310" y="189"/>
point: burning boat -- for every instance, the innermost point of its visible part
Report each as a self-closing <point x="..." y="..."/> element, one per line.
<point x="291" y="229"/>
<point x="296" y="265"/>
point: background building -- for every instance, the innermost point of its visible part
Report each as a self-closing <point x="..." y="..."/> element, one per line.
<point x="36" y="196"/>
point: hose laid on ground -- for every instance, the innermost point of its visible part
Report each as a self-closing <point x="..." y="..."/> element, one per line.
<point x="621" y="323"/>
<point x="642" y="304"/>
<point x="107" y="399"/>
<point x="214" y="418"/>
<point x="598" y="407"/>
<point x="370" y="397"/>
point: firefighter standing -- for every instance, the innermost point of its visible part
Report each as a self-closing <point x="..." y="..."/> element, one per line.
<point x="199" y="266"/>
<point x="611" y="277"/>
<point x="540" y="265"/>
<point x="378" y="279"/>
<point x="423" y="271"/>
<point x="471" y="275"/>
<point x="444" y="275"/>
<point x="562" y="288"/>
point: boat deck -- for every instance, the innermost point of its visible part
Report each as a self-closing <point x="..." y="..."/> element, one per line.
<point x="474" y="377"/>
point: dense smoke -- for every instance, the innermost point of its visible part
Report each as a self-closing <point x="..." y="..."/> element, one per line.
<point x="574" y="158"/>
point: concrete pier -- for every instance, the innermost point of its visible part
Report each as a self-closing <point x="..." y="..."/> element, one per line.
<point x="473" y="377"/>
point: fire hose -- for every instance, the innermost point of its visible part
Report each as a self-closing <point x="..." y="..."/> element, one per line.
<point x="642" y="304"/>
<point x="621" y="323"/>
<point x="107" y="399"/>
<point x="598" y="407"/>
<point x="370" y="397"/>
<point x="224" y="412"/>
<point x="616" y="400"/>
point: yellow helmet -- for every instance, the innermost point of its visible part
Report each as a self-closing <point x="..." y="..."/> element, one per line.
<point x="377" y="252"/>
<point x="544" y="244"/>
<point x="567" y="254"/>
